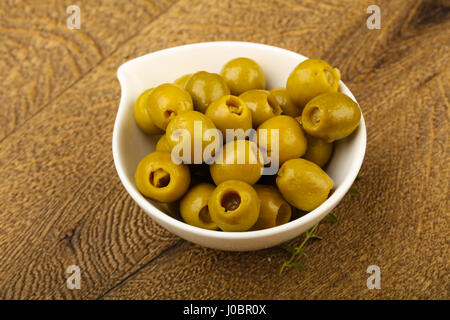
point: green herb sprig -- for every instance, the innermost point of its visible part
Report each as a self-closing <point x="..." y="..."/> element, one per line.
<point x="297" y="251"/>
<point x="353" y="189"/>
<point x="331" y="217"/>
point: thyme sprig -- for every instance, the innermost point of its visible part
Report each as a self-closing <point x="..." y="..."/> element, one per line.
<point x="297" y="251"/>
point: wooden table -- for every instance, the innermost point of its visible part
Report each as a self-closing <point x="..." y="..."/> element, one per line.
<point x="62" y="202"/>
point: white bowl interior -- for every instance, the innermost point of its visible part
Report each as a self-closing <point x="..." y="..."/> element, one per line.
<point x="130" y="144"/>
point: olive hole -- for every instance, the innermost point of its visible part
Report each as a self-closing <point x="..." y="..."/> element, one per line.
<point x="169" y="113"/>
<point x="234" y="106"/>
<point x="283" y="215"/>
<point x="315" y="116"/>
<point x="204" y="216"/>
<point x="159" y="178"/>
<point x="231" y="201"/>
<point x="329" y="76"/>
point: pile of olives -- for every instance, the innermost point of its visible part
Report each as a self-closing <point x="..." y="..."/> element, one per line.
<point x="310" y="114"/>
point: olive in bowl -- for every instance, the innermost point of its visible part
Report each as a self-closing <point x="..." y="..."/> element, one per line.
<point x="131" y="144"/>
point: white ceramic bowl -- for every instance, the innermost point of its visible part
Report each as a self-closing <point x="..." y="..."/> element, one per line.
<point x="130" y="145"/>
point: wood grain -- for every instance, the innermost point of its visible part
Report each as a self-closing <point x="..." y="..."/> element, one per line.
<point x="41" y="56"/>
<point x="407" y="239"/>
<point x="398" y="222"/>
<point x="62" y="202"/>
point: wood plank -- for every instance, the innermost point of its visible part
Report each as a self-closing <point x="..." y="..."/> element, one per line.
<point x="63" y="204"/>
<point x="399" y="221"/>
<point x="404" y="231"/>
<point x="41" y="56"/>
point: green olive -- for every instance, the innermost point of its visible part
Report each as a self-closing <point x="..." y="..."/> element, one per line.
<point x="230" y="112"/>
<point x="142" y="116"/>
<point x="237" y="160"/>
<point x="274" y="210"/>
<point x="284" y="100"/>
<point x="163" y="144"/>
<point x="331" y="116"/>
<point x="166" y="101"/>
<point x="291" y="140"/>
<point x="194" y="207"/>
<point x="204" y="88"/>
<point x="170" y="208"/>
<point x="158" y="178"/>
<point x="243" y="74"/>
<point x="319" y="151"/>
<point x="234" y="206"/>
<point x="181" y="81"/>
<point x="311" y="78"/>
<point x="303" y="184"/>
<point x="196" y="125"/>
<point x="262" y="104"/>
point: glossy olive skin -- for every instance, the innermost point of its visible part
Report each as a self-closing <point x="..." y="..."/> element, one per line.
<point x="274" y="210"/>
<point x="166" y="101"/>
<point x="158" y="178"/>
<point x="284" y="100"/>
<point x="234" y="206"/>
<point x="303" y="184"/>
<point x="187" y="121"/>
<point x="181" y="81"/>
<point x="230" y="112"/>
<point x="243" y="74"/>
<point x="142" y="116"/>
<point x="319" y="151"/>
<point x="237" y="160"/>
<point x="292" y="141"/>
<point x="262" y="104"/>
<point x="163" y="144"/>
<point x="204" y="88"/>
<point x="311" y="78"/>
<point x="194" y="207"/>
<point x="331" y="116"/>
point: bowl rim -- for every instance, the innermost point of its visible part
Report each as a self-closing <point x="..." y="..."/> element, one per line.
<point x="316" y="215"/>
